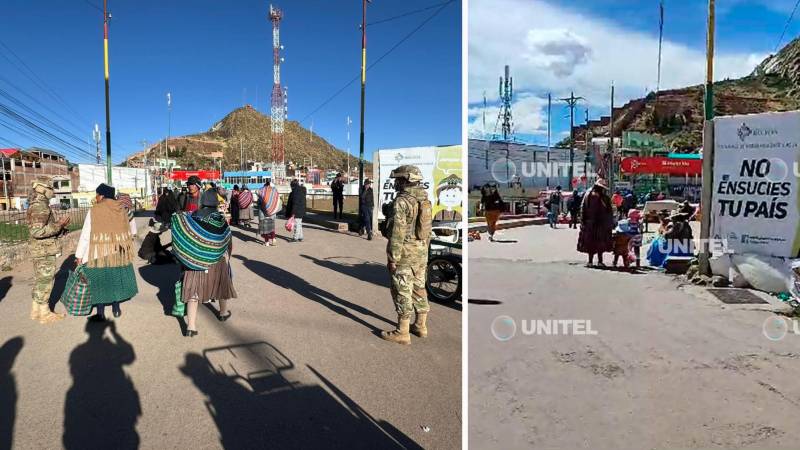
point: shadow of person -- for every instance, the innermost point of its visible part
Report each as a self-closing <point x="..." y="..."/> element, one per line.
<point x="264" y="409"/>
<point x="288" y="280"/>
<point x="365" y="271"/>
<point x="246" y="237"/>
<point x="102" y="406"/>
<point x="163" y="277"/>
<point x="8" y="390"/>
<point x="60" y="280"/>
<point x="5" y="286"/>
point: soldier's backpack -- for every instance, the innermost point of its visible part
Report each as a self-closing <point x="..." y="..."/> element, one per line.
<point x="424" y="220"/>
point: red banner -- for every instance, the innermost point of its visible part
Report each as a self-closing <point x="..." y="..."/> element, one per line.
<point x="662" y="165"/>
<point x="183" y="175"/>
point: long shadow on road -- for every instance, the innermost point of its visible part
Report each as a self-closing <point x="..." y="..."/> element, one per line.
<point x="365" y="271"/>
<point x="5" y="286"/>
<point x="8" y="391"/>
<point x="288" y="280"/>
<point x="102" y="405"/>
<point x="60" y="280"/>
<point x="255" y="405"/>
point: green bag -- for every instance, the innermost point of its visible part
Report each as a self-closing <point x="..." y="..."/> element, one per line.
<point x="76" y="297"/>
<point x="179" y="308"/>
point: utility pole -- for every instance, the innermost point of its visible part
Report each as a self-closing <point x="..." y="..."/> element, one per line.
<point x="571" y="102"/>
<point x="363" y="92"/>
<point x="241" y="154"/>
<point x="611" y="144"/>
<point x="169" y="129"/>
<point x="5" y="181"/>
<point x="96" y="136"/>
<point x="708" y="148"/>
<point x="486" y="159"/>
<point x="549" y="107"/>
<point x="589" y="148"/>
<point x="146" y="184"/>
<point x="349" y="123"/>
<point x="106" y="18"/>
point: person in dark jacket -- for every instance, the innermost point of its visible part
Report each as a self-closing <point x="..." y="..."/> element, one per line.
<point x="296" y="207"/>
<point x="167" y="206"/>
<point x="574" y="208"/>
<point x="492" y="207"/>
<point x="189" y="201"/>
<point x="337" y="188"/>
<point x="234" y="205"/>
<point x="366" y="203"/>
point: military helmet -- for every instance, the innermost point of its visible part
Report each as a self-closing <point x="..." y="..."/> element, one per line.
<point x="409" y="172"/>
<point x="43" y="181"/>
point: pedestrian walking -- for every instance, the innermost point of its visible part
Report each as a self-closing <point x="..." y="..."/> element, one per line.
<point x="574" y="208"/>
<point x="554" y="210"/>
<point x="45" y="247"/>
<point x="245" y="206"/>
<point x="366" y="203"/>
<point x="269" y="203"/>
<point x="597" y="221"/>
<point x="189" y="200"/>
<point x="202" y="243"/>
<point x="337" y="188"/>
<point x="409" y="232"/>
<point x="492" y="206"/>
<point x="106" y="248"/>
<point x="296" y="209"/>
<point x="234" y="202"/>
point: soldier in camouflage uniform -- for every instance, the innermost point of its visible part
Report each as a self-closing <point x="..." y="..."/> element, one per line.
<point x="44" y="248"/>
<point x="407" y="255"/>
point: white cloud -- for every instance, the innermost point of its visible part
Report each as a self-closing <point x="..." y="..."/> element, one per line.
<point x="529" y="116"/>
<point x="553" y="49"/>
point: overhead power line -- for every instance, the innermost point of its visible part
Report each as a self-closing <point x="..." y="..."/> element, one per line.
<point x="380" y="58"/>
<point x="409" y="13"/>
<point x="786" y="27"/>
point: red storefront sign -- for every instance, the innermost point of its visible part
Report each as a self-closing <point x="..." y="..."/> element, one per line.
<point x="183" y="175"/>
<point x="662" y="165"/>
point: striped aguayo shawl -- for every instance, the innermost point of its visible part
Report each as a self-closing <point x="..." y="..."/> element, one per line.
<point x="245" y="199"/>
<point x="200" y="243"/>
<point x="270" y="200"/>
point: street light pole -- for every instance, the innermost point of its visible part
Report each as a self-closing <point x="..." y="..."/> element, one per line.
<point x="708" y="149"/>
<point x="106" y="18"/>
<point x="363" y="93"/>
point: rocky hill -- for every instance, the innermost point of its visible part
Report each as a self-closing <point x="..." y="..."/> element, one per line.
<point x="248" y="132"/>
<point x="677" y="115"/>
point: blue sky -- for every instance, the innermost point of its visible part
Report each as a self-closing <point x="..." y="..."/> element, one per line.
<point x="207" y="52"/>
<point x="585" y="45"/>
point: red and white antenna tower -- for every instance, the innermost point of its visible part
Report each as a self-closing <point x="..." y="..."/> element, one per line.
<point x="278" y="107"/>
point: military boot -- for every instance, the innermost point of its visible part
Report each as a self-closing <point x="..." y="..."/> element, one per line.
<point x="35" y="313"/>
<point x="399" y="335"/>
<point x="419" y="327"/>
<point x="46" y="316"/>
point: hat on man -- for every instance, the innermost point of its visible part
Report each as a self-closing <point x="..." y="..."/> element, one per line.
<point x="194" y="179"/>
<point x="42" y="181"/>
<point x="105" y="190"/>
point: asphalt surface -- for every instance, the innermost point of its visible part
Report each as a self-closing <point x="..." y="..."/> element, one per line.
<point x="670" y="366"/>
<point x="298" y="365"/>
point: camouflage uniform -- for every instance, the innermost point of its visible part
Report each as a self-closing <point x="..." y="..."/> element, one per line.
<point x="410" y="257"/>
<point x="45" y="247"/>
<point x="409" y="254"/>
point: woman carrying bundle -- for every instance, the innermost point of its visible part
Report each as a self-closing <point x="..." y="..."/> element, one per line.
<point x="201" y="242"/>
<point x="106" y="247"/>
<point x="269" y="203"/>
<point x="245" y="206"/>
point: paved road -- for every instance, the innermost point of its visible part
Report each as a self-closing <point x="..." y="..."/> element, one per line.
<point x="671" y="366"/>
<point x="298" y="364"/>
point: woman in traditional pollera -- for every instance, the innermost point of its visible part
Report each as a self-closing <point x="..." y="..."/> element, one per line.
<point x="202" y="243"/>
<point x="597" y="223"/>
<point x="245" y="206"/>
<point x="269" y="203"/>
<point x="106" y="247"/>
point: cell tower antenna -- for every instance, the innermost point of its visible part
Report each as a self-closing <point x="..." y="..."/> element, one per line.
<point x="504" y="117"/>
<point x="278" y="106"/>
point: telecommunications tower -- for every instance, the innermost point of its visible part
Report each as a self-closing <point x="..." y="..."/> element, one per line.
<point x="504" y="117"/>
<point x="278" y="107"/>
